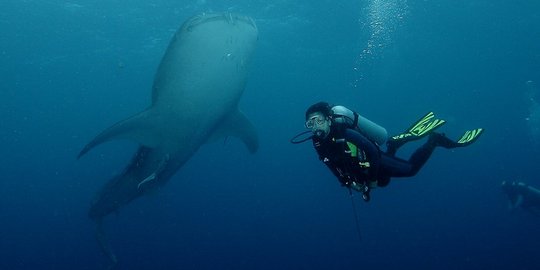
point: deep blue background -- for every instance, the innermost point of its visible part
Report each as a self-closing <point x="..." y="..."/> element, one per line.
<point x="70" y="69"/>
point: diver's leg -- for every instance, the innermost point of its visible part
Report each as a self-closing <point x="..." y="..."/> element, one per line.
<point x="393" y="167"/>
<point x="400" y="168"/>
<point x="469" y="137"/>
<point x="422" y="154"/>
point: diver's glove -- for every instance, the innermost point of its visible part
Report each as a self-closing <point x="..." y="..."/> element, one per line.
<point x="362" y="188"/>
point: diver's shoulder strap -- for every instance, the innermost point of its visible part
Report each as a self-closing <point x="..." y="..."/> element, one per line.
<point x="355" y="121"/>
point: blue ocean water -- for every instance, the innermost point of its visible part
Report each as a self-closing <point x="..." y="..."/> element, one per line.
<point x="70" y="69"/>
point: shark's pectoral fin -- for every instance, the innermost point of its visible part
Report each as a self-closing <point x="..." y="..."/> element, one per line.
<point x="153" y="176"/>
<point x="140" y="128"/>
<point x="147" y="179"/>
<point x="237" y="125"/>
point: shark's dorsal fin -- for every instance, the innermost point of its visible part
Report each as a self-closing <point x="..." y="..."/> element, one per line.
<point x="139" y="128"/>
<point x="237" y="125"/>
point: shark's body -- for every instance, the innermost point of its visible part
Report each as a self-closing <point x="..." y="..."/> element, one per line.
<point x="195" y="95"/>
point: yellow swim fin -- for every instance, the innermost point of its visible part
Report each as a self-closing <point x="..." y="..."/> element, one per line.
<point x="470" y="136"/>
<point x="421" y="128"/>
<point x="425" y="125"/>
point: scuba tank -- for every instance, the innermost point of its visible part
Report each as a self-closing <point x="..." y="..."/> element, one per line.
<point x="372" y="131"/>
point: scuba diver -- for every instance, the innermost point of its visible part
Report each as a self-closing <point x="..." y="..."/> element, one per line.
<point x="349" y="145"/>
<point x="522" y="195"/>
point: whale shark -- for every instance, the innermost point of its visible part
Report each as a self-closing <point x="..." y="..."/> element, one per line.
<point x="195" y="96"/>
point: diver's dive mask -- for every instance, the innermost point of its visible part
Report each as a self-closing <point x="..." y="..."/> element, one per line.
<point x="315" y="120"/>
<point x="319" y="125"/>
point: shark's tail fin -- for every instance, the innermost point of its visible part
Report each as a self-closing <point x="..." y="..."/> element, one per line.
<point x="103" y="242"/>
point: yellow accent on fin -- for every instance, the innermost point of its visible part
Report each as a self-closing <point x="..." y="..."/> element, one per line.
<point x="425" y="125"/>
<point x="421" y="128"/>
<point x="470" y="136"/>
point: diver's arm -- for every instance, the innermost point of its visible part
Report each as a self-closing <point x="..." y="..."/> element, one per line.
<point x="533" y="191"/>
<point x="531" y="194"/>
<point x="371" y="150"/>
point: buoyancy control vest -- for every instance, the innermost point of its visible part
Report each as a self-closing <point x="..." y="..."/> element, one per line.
<point x="348" y="162"/>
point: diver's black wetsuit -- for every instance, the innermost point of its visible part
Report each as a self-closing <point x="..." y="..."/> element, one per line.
<point x="338" y="155"/>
